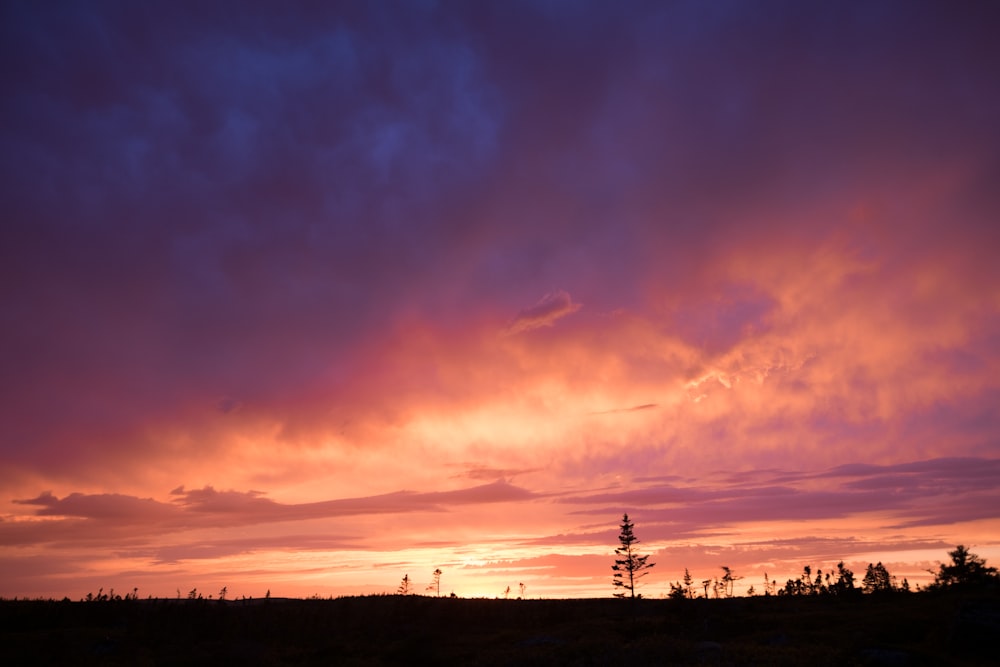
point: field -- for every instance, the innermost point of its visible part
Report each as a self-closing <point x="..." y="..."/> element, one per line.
<point x="896" y="629"/>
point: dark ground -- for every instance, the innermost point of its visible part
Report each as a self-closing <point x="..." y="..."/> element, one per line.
<point x="895" y="629"/>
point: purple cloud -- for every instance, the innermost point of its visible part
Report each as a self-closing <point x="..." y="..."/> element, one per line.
<point x="938" y="491"/>
<point x="207" y="507"/>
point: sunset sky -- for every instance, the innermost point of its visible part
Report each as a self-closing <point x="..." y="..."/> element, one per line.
<point x="307" y="300"/>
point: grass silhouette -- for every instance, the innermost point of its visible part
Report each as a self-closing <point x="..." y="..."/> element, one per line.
<point x="936" y="627"/>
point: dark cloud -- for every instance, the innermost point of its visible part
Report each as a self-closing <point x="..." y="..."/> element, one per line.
<point x="121" y="515"/>
<point x="190" y="191"/>
<point x="104" y="506"/>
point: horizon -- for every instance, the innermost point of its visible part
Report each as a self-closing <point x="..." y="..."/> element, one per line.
<point x="918" y="573"/>
<point x="307" y="301"/>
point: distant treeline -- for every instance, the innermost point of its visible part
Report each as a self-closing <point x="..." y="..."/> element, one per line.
<point x="966" y="570"/>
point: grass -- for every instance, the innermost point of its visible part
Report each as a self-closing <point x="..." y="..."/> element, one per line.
<point x="943" y="628"/>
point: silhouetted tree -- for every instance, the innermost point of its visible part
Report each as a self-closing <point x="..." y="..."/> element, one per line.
<point x="679" y="591"/>
<point x="807" y="580"/>
<point x="877" y="579"/>
<point x="436" y="584"/>
<point x="522" y="588"/>
<point x="728" y="582"/>
<point x="404" y="586"/>
<point x="676" y="591"/>
<point x="818" y="587"/>
<point x="630" y="566"/>
<point x="844" y="585"/>
<point x="966" y="569"/>
<point x="793" y="587"/>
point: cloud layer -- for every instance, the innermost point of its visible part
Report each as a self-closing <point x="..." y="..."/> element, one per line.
<point x="459" y="284"/>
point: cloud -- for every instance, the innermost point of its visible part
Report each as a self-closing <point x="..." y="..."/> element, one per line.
<point x="113" y="507"/>
<point x="209" y="508"/>
<point x="480" y="472"/>
<point x="228" y="405"/>
<point x="636" y="408"/>
<point x="273" y="249"/>
<point x="551" y="307"/>
<point x="941" y="492"/>
<point x="211" y="548"/>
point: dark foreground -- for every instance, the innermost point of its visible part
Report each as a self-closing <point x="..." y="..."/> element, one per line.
<point x="900" y="629"/>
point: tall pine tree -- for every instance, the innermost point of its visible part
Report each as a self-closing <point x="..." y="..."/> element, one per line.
<point x="629" y="567"/>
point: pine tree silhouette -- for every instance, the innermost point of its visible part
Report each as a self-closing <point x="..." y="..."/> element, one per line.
<point x="630" y="566"/>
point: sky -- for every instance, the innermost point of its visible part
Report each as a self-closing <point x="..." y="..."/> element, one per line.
<point x="306" y="299"/>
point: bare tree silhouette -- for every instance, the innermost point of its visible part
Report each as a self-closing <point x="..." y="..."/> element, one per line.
<point x="436" y="584"/>
<point x="729" y="582"/>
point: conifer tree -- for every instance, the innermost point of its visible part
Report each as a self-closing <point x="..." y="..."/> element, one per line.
<point x="877" y="579"/>
<point x="965" y="569"/>
<point x="629" y="567"/>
